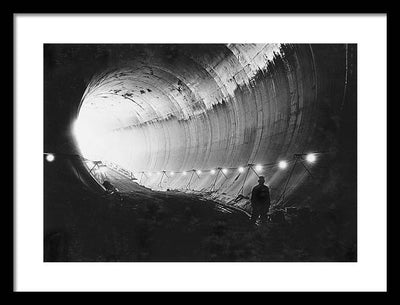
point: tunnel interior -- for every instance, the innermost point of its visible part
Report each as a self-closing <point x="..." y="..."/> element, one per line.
<point x="211" y="118"/>
<point x="186" y="129"/>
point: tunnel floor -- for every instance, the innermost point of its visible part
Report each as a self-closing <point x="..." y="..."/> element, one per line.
<point x="151" y="226"/>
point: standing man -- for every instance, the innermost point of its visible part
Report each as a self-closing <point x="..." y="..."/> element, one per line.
<point x="260" y="201"/>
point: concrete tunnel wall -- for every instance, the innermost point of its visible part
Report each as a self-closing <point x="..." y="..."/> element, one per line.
<point x="183" y="107"/>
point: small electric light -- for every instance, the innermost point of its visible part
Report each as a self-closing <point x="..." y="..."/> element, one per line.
<point x="198" y="172"/>
<point x="50" y="157"/>
<point x="282" y="164"/>
<point x="258" y="167"/>
<point x="212" y="172"/>
<point x="224" y="170"/>
<point x="241" y="169"/>
<point x="184" y="173"/>
<point x="149" y="174"/>
<point x="311" y="158"/>
<point x="172" y="173"/>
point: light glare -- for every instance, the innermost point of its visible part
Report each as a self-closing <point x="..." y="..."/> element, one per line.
<point x="241" y="169"/>
<point x="311" y="158"/>
<point x="50" y="157"/>
<point x="283" y="164"/>
<point x="258" y="167"/>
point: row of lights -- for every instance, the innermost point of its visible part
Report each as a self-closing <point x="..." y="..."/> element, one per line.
<point x="310" y="158"/>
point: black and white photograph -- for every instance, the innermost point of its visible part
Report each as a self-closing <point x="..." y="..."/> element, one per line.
<point x="200" y="152"/>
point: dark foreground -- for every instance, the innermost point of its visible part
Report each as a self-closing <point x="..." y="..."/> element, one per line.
<point x="168" y="226"/>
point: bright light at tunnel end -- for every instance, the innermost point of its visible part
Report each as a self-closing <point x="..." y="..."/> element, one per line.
<point x="91" y="137"/>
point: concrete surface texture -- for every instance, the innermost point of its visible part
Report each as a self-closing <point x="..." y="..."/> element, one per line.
<point x="179" y="108"/>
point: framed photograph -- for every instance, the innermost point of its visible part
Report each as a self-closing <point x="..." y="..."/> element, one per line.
<point x="200" y="160"/>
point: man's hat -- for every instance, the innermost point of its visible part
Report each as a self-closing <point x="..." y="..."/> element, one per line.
<point x="261" y="178"/>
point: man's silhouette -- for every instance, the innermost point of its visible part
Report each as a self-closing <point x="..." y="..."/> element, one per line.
<point x="260" y="201"/>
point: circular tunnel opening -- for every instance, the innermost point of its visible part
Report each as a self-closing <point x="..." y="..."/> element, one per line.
<point x="212" y="118"/>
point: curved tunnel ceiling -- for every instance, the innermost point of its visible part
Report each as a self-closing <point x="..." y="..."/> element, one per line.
<point x="183" y="107"/>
